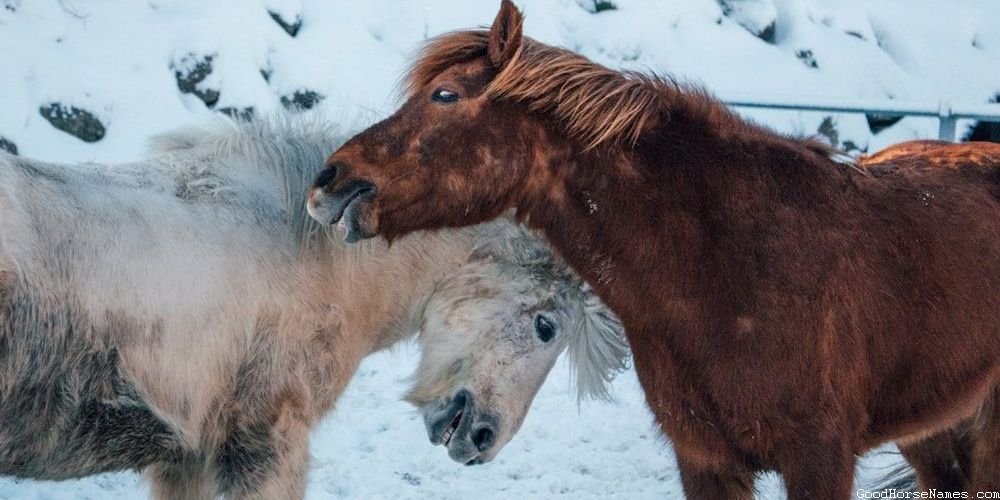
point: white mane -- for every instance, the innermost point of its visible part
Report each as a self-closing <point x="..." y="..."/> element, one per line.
<point x="289" y="147"/>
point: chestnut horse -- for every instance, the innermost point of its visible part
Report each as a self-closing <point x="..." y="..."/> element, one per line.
<point x="787" y="310"/>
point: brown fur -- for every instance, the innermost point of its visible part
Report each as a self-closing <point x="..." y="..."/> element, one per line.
<point x="786" y="311"/>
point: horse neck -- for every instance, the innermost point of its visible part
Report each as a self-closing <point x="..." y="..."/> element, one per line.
<point x="367" y="297"/>
<point x="379" y="290"/>
<point x="635" y="222"/>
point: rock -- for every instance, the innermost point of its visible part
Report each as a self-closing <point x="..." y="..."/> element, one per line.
<point x="807" y="58"/>
<point x="8" y="145"/>
<point x="828" y="129"/>
<point x="77" y="122"/>
<point x="301" y="100"/>
<point x="412" y="479"/>
<point x="190" y="72"/>
<point x="878" y="123"/>
<point x="851" y="146"/>
<point x="292" y="28"/>
<point x="759" y="17"/>
<point x="985" y="131"/>
<point x="597" y="6"/>
<point x="857" y="35"/>
<point x="10" y="5"/>
<point x="239" y="114"/>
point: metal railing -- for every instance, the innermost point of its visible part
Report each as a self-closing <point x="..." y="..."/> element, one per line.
<point x="946" y="112"/>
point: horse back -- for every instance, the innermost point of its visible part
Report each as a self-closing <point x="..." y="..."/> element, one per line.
<point x="978" y="162"/>
<point x="932" y="280"/>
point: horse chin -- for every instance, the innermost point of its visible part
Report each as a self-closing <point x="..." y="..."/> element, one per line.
<point x="355" y="220"/>
<point x="347" y="207"/>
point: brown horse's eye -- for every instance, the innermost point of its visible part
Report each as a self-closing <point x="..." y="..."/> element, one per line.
<point x="444" y="96"/>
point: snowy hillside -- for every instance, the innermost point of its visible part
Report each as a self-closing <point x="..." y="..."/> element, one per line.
<point x="125" y="62"/>
<point x="88" y="80"/>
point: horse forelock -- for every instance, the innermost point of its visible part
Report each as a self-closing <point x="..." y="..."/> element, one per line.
<point x="596" y="104"/>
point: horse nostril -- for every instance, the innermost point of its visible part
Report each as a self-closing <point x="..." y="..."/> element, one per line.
<point x="327" y="175"/>
<point x="483" y="438"/>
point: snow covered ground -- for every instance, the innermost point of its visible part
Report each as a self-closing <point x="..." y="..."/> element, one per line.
<point x="374" y="447"/>
<point x="120" y="61"/>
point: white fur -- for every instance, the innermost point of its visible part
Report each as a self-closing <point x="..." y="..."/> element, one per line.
<point x="207" y="240"/>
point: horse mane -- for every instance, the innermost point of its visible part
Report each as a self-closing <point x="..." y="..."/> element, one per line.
<point x="597" y="105"/>
<point x="288" y="147"/>
<point x="598" y="350"/>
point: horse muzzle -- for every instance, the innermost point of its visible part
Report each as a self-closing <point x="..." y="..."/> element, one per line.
<point x="330" y="205"/>
<point x="468" y="434"/>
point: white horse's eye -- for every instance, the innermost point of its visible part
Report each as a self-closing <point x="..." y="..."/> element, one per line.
<point x="444" y="96"/>
<point x="544" y="328"/>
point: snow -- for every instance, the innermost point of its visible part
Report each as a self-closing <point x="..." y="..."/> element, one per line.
<point x="116" y="59"/>
<point x="374" y="446"/>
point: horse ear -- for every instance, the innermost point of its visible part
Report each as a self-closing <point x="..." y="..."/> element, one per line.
<point x="505" y="34"/>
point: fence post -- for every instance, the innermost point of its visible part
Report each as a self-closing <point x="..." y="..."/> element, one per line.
<point x="946" y="122"/>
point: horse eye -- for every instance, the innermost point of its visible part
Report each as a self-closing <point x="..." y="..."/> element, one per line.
<point x="444" y="96"/>
<point x="544" y="328"/>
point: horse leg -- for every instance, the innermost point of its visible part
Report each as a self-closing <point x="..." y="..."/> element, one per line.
<point x="189" y="479"/>
<point x="984" y="437"/>
<point x="817" y="467"/>
<point x="935" y="462"/>
<point x="281" y="476"/>
<point x="732" y="483"/>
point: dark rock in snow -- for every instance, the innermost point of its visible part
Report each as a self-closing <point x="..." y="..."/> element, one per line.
<point x="77" y="122"/>
<point x="301" y="100"/>
<point x="292" y="28"/>
<point x="828" y="129"/>
<point x="807" y="58"/>
<point x="857" y="35"/>
<point x="878" y="123"/>
<point x="8" y="145"/>
<point x="240" y="114"/>
<point x="768" y="34"/>
<point x="11" y="5"/>
<point x="597" y="6"/>
<point x="759" y="17"/>
<point x="850" y="146"/>
<point x="190" y="72"/>
<point x="985" y="131"/>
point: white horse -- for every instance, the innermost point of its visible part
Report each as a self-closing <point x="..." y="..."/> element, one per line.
<point x="181" y="315"/>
